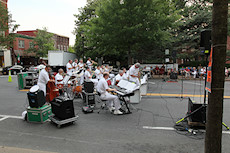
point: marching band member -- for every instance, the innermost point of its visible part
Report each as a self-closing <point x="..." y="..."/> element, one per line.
<point x="107" y="69"/>
<point x="69" y="68"/>
<point x="81" y="67"/>
<point x="134" y="73"/>
<point x="103" y="89"/>
<point x="89" y="63"/>
<point x="59" y="77"/>
<point x="88" y="76"/>
<point x="125" y="75"/>
<point x="44" y="78"/>
<point x="75" y="64"/>
<point x="119" y="76"/>
<point x="98" y="73"/>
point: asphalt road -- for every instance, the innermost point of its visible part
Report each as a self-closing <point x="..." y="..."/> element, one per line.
<point x="148" y="129"/>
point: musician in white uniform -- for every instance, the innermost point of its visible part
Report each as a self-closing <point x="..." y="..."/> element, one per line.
<point x="125" y="75"/>
<point x="69" y="68"/>
<point x="43" y="78"/>
<point x="89" y="63"/>
<point x="75" y="65"/>
<point x="59" y="77"/>
<point x="103" y="89"/>
<point x="119" y="76"/>
<point x="88" y="76"/>
<point x="81" y="68"/>
<point x="134" y="74"/>
<point x="98" y="73"/>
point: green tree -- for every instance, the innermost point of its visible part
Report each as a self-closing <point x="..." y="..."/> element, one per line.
<point x="6" y="25"/>
<point x="43" y="42"/>
<point x="71" y="49"/>
<point x="133" y="29"/>
<point x="196" y="16"/>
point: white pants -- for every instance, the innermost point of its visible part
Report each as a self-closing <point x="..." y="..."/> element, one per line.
<point x="42" y="87"/>
<point x="112" y="100"/>
<point x="135" y="80"/>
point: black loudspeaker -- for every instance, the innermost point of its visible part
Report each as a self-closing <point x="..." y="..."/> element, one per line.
<point x="62" y="108"/>
<point x="88" y="86"/>
<point x="205" y="40"/>
<point x="199" y="116"/>
<point x="36" y="99"/>
<point x="173" y="76"/>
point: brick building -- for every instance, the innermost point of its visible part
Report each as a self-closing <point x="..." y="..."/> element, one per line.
<point x="22" y="44"/>
<point x="60" y="42"/>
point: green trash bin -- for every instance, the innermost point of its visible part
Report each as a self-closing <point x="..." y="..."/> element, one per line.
<point x="21" y="79"/>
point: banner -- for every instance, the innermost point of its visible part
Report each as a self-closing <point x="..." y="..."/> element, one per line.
<point x="209" y="74"/>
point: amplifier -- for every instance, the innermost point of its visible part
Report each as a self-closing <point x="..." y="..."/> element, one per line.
<point x="199" y="116"/>
<point x="88" y="98"/>
<point x="62" y="108"/>
<point x="36" y="99"/>
<point x="88" y="86"/>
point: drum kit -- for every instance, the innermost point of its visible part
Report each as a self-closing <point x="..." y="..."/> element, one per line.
<point x="71" y="86"/>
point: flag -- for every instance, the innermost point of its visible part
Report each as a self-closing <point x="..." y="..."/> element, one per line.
<point x="18" y="58"/>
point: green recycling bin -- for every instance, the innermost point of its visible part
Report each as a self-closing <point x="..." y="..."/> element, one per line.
<point x="21" y="79"/>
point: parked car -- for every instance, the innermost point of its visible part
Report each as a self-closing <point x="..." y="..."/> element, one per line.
<point x="36" y="68"/>
<point x="14" y="69"/>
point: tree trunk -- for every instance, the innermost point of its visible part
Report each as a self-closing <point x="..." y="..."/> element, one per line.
<point x="215" y="101"/>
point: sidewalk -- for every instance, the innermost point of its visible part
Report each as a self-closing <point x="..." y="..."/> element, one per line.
<point x="180" y="77"/>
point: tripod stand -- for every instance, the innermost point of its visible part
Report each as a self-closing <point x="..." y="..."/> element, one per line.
<point x="204" y="106"/>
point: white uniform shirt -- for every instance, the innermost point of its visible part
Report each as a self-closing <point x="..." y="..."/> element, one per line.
<point x="102" y="86"/>
<point x="58" y="77"/>
<point x="74" y="65"/>
<point x="81" y="65"/>
<point x="89" y="64"/>
<point x="43" y="80"/>
<point x="118" y="77"/>
<point x="106" y="70"/>
<point x="98" y="74"/>
<point x="124" y="76"/>
<point x="133" y="71"/>
<point x="87" y="75"/>
<point x="43" y="77"/>
<point x="69" y="71"/>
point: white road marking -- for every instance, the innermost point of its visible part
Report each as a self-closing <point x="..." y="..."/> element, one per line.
<point x="10" y="116"/>
<point x="151" y="82"/>
<point x="171" y="129"/>
<point x="3" y="118"/>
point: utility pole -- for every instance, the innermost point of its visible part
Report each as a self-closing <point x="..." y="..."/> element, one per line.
<point x="215" y="98"/>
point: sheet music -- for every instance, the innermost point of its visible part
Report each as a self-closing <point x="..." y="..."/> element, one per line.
<point x="66" y="79"/>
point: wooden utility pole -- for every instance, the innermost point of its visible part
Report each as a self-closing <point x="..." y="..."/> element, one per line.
<point x="215" y="100"/>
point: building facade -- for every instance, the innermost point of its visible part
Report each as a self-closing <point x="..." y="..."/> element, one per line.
<point x="60" y="42"/>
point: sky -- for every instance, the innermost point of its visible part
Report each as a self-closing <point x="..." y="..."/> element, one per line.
<point x="55" y="15"/>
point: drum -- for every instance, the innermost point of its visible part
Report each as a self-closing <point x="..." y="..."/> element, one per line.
<point x="60" y="86"/>
<point x="78" y="89"/>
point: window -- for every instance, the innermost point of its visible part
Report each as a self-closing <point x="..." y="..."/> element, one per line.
<point x="21" y="44"/>
<point x="59" y="47"/>
<point x="31" y="45"/>
<point x="64" y="48"/>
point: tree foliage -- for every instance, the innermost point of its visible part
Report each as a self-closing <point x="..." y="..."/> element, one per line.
<point x="43" y="42"/>
<point x="121" y="31"/>
<point x="6" y="25"/>
<point x="196" y="16"/>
